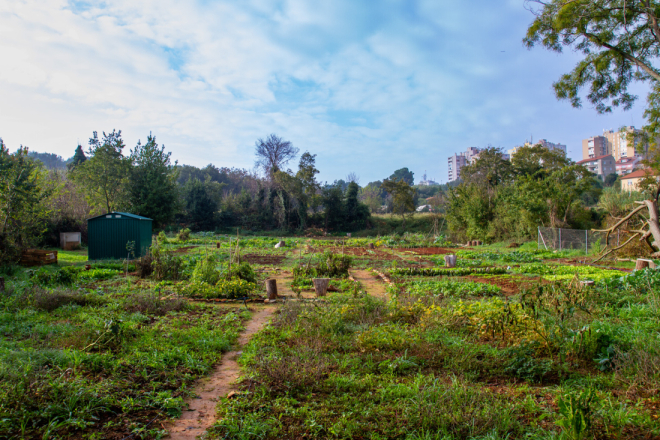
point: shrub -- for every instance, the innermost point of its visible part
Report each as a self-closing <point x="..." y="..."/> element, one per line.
<point x="206" y="271"/>
<point x="227" y="289"/>
<point x="183" y="235"/>
<point x="162" y="238"/>
<point x="245" y="272"/>
<point x="166" y="264"/>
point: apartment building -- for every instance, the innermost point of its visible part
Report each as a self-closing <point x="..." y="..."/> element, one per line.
<point x="611" y="142"/>
<point x="543" y="142"/>
<point x="627" y="165"/>
<point x="595" y="146"/>
<point x="454" y="164"/>
<point x="601" y="166"/>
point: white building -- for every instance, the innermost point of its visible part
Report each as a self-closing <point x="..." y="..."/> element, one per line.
<point x="458" y="161"/>
<point x="427" y="182"/>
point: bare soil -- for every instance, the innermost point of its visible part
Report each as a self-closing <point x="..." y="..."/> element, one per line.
<point x="184" y="250"/>
<point x="201" y="410"/>
<point x="372" y="284"/>
<point x="275" y="260"/>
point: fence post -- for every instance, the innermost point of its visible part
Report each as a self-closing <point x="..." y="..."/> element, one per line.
<point x="559" y="239"/>
<point x="586" y="241"/>
<point x="538" y="237"/>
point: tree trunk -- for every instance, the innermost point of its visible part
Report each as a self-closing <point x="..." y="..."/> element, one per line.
<point x="654" y="227"/>
<point x="271" y="289"/>
<point x="450" y="260"/>
<point x="2" y="285"/>
<point x="321" y="286"/>
<point x="371" y="246"/>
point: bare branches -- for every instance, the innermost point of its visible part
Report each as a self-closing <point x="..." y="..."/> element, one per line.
<point x="615" y="249"/>
<point x="273" y="153"/>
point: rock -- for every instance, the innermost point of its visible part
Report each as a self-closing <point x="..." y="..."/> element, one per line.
<point x="280" y="244"/>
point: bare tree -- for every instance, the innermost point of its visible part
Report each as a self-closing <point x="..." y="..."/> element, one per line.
<point x="353" y="177"/>
<point x="273" y="153"/>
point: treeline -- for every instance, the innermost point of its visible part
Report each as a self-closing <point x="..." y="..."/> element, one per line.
<point x="500" y="199"/>
<point x="42" y="195"/>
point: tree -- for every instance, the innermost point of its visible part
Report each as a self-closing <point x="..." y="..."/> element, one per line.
<point x="610" y="179"/>
<point x="356" y="213"/>
<point x="273" y="153"/>
<point x="78" y="158"/>
<point x="152" y="186"/>
<point x="104" y="176"/>
<point x="372" y="196"/>
<point x="307" y="175"/>
<point x="620" y="41"/>
<point x="333" y="208"/>
<point x="404" y="174"/>
<point x="403" y="196"/>
<point x="201" y="207"/>
<point x="23" y="213"/>
<point x="538" y="160"/>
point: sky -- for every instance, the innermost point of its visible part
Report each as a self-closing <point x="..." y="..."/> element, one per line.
<point x="369" y="87"/>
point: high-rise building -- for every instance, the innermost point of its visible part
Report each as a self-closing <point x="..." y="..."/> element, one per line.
<point x="611" y="142"/>
<point x="595" y="146"/>
<point x="458" y="161"/>
<point x="551" y="145"/>
<point x="455" y="163"/>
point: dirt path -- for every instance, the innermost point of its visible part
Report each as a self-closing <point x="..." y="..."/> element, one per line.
<point x="201" y="411"/>
<point x="374" y="286"/>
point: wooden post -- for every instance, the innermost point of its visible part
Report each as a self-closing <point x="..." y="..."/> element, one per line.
<point x="2" y="284"/>
<point x="321" y="286"/>
<point x="271" y="288"/>
<point x="371" y="246"/>
<point x="217" y="245"/>
<point x="450" y="260"/>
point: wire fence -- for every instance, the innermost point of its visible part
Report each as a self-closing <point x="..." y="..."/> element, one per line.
<point x="561" y="239"/>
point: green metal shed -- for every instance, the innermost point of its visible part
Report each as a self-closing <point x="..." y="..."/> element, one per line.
<point x="108" y="235"/>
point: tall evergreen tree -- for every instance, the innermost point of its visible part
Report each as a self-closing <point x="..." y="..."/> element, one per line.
<point x="152" y="184"/>
<point x="78" y="157"/>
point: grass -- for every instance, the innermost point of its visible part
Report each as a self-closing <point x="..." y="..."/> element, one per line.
<point x="95" y="354"/>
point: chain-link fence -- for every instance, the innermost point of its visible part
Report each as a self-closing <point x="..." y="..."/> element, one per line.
<point x="560" y="239"/>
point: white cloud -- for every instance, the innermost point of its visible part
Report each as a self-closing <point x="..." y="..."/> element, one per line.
<point x="368" y="86"/>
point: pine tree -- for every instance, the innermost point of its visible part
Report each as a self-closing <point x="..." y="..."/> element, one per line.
<point x="78" y="157"/>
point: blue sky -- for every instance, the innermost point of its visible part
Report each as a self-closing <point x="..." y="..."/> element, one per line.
<point x="368" y="86"/>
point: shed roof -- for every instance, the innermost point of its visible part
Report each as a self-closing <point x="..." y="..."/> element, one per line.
<point x="137" y="217"/>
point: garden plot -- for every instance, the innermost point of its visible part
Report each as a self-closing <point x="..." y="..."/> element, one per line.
<point x="494" y="348"/>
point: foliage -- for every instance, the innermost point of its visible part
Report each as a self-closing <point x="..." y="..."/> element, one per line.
<point x="166" y="264"/>
<point x="403" y="174"/>
<point x="328" y="265"/>
<point x="403" y="196"/>
<point x="451" y="288"/>
<point x="243" y="271"/>
<point x="457" y="272"/>
<point x="104" y="175"/>
<point x="576" y="411"/>
<point x="235" y="288"/>
<point x="618" y="41"/>
<point x="153" y="192"/>
<point x="183" y="235"/>
<point x="206" y="271"/>
<point x="23" y="208"/>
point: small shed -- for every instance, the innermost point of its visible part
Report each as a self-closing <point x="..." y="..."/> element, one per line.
<point x="70" y="240"/>
<point x="109" y="234"/>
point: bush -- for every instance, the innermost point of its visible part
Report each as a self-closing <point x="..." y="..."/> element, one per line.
<point x="162" y="238"/>
<point x="245" y="272"/>
<point x="166" y="264"/>
<point x="303" y="370"/>
<point x="183" y="235"/>
<point x="227" y="289"/>
<point x="206" y="271"/>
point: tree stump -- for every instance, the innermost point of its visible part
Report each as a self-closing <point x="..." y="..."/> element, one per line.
<point x="643" y="263"/>
<point x="371" y="246"/>
<point x="321" y="286"/>
<point x="450" y="260"/>
<point x="2" y="284"/>
<point x="217" y="245"/>
<point x="271" y="288"/>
